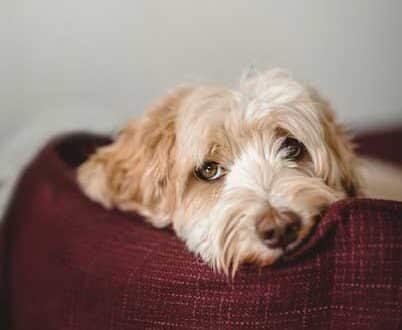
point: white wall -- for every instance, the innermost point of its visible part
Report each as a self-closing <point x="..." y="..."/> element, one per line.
<point x="111" y="58"/>
<point x="71" y="64"/>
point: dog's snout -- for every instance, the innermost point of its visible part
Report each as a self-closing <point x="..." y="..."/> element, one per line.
<point x="283" y="231"/>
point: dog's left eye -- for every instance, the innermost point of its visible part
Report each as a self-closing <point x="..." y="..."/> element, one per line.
<point x="292" y="148"/>
<point x="210" y="171"/>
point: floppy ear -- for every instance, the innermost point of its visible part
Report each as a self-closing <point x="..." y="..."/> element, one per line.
<point x="137" y="171"/>
<point x="343" y="162"/>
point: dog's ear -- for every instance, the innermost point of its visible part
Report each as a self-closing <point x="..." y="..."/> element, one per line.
<point x="342" y="162"/>
<point x="137" y="171"/>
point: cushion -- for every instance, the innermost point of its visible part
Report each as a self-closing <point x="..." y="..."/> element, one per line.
<point x="70" y="264"/>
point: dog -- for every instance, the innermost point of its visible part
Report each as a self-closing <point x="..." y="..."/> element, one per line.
<point x="241" y="175"/>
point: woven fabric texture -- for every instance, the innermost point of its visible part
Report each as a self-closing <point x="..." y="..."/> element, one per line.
<point x="69" y="264"/>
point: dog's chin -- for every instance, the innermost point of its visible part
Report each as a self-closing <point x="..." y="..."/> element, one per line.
<point x="257" y="254"/>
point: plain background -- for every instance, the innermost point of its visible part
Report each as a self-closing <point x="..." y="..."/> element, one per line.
<point x="91" y="64"/>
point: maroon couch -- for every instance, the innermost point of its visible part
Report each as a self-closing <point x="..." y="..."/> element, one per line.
<point x="66" y="263"/>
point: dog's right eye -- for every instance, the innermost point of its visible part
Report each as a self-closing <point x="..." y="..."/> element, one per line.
<point x="293" y="149"/>
<point x="210" y="171"/>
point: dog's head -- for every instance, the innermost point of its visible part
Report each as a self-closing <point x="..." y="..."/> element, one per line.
<point x="241" y="175"/>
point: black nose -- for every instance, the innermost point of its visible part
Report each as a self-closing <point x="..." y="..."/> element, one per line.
<point x="285" y="233"/>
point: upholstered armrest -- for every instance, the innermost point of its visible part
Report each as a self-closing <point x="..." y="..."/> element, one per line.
<point x="67" y="263"/>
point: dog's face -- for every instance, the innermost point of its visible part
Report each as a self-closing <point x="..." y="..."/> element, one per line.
<point x="242" y="175"/>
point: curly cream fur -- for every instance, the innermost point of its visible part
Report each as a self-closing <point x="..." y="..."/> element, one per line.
<point x="149" y="168"/>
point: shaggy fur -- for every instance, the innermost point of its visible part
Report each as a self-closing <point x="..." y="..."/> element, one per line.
<point x="265" y="203"/>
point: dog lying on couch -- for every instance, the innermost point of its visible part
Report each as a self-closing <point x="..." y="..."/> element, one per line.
<point x="241" y="175"/>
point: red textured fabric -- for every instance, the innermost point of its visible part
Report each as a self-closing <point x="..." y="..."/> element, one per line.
<point x="70" y="264"/>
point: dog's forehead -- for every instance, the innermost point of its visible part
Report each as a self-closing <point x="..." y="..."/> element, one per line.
<point x="218" y="123"/>
<point x="227" y="120"/>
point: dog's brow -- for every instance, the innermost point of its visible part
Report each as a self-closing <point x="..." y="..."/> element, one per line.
<point x="219" y="153"/>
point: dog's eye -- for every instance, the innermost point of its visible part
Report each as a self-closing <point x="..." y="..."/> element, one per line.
<point x="292" y="149"/>
<point x="209" y="171"/>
